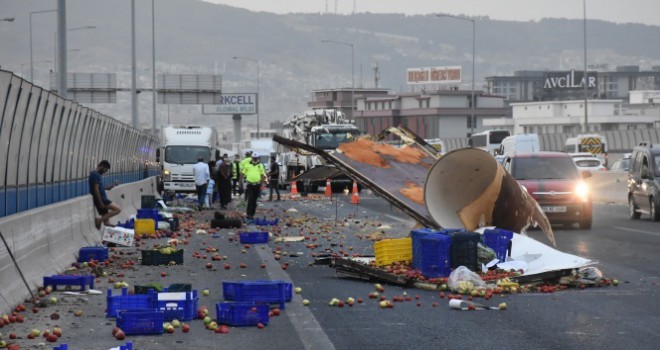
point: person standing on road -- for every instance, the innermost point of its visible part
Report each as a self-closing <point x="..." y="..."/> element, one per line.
<point x="236" y="185"/>
<point x="103" y="205"/>
<point x="274" y="175"/>
<point x="242" y="165"/>
<point x="254" y="174"/>
<point x="202" y="176"/>
<point x="224" y="182"/>
<point x="212" y="188"/>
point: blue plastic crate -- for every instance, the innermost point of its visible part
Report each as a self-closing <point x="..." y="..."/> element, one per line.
<point x="435" y="259"/>
<point x="61" y="347"/>
<point x="498" y="240"/>
<point x="416" y="235"/>
<point x="124" y="301"/>
<point x="241" y="314"/>
<point x="178" y="305"/>
<point x="258" y="291"/>
<point x="130" y="224"/>
<point x="88" y="253"/>
<point x="140" y="322"/>
<point x="263" y="222"/>
<point x="253" y="237"/>
<point x="69" y="280"/>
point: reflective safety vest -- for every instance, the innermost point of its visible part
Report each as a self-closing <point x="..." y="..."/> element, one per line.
<point x="253" y="172"/>
<point x="235" y="169"/>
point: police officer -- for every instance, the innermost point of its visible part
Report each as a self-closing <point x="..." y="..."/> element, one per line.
<point x="236" y="185"/>
<point x="254" y="174"/>
<point x="242" y="165"/>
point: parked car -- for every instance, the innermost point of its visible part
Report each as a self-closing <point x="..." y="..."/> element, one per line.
<point x="644" y="181"/>
<point x="554" y="181"/>
<point x="589" y="164"/>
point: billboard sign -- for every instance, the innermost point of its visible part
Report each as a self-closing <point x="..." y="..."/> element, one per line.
<point x="233" y="103"/>
<point x="434" y="75"/>
<point x="569" y="80"/>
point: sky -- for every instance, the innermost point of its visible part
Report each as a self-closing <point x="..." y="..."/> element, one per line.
<point x="618" y="11"/>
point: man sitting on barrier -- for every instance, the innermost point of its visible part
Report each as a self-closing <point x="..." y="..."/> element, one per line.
<point x="103" y="205"/>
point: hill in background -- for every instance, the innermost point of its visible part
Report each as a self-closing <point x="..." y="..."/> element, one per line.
<point x="201" y="38"/>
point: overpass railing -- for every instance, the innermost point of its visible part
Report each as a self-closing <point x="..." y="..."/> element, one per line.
<point x="48" y="146"/>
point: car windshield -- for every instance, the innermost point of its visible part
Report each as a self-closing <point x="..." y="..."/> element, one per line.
<point x="186" y="154"/>
<point x="657" y="165"/>
<point x="621" y="164"/>
<point x="332" y="139"/>
<point x="540" y="168"/>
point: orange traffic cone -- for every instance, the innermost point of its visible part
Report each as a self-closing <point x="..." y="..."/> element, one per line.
<point x="328" y="188"/>
<point x="294" y="188"/>
<point x="355" y="198"/>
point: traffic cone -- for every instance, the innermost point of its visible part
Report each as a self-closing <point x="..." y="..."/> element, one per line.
<point x="355" y="198"/>
<point x="328" y="188"/>
<point x="294" y="188"/>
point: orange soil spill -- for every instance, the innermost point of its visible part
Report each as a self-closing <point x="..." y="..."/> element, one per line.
<point x="369" y="152"/>
<point x="413" y="192"/>
<point x="362" y="151"/>
<point x="402" y="155"/>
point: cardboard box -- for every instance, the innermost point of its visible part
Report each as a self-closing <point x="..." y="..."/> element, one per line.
<point x="119" y="235"/>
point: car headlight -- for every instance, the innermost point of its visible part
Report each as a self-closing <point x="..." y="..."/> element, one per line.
<point x="166" y="172"/>
<point x="582" y="191"/>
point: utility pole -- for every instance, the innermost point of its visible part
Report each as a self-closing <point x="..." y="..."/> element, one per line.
<point x="134" y="101"/>
<point x="61" y="26"/>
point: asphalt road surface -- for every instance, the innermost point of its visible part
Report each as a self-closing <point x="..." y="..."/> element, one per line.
<point x="626" y="316"/>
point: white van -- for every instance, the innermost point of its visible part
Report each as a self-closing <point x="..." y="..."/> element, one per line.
<point x="522" y="143"/>
<point x="592" y="143"/>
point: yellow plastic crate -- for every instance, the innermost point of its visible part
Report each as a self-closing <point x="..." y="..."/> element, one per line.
<point x="145" y="227"/>
<point x="388" y="251"/>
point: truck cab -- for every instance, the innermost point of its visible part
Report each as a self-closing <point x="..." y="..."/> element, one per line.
<point x="182" y="146"/>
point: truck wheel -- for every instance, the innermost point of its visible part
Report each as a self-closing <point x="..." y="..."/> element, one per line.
<point x="655" y="214"/>
<point x="632" y="209"/>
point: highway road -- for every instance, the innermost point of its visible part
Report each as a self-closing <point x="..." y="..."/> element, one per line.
<point x="626" y="316"/>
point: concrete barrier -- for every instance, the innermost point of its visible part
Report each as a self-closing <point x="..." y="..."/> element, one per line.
<point x="46" y="240"/>
<point x="609" y="187"/>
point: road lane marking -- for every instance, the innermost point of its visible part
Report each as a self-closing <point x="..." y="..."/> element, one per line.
<point x="637" y="231"/>
<point x="309" y="331"/>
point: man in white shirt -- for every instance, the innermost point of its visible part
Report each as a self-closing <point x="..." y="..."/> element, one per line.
<point x="202" y="176"/>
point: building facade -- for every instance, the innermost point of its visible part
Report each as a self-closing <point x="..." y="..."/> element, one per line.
<point x="530" y="86"/>
<point x="567" y="117"/>
<point x="340" y="99"/>
<point x="430" y="114"/>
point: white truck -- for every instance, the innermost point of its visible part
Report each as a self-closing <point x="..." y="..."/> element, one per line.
<point x="325" y="129"/>
<point x="593" y="143"/>
<point x="181" y="146"/>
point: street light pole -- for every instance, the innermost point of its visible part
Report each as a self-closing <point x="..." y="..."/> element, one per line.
<point x="586" y="81"/>
<point x="32" y="63"/>
<point x="352" y="69"/>
<point x="257" y="62"/>
<point x="474" y="35"/>
<point x="61" y="27"/>
<point x="153" y="65"/>
<point x="134" y="101"/>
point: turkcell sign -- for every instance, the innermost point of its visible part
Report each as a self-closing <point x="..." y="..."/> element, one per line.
<point x="570" y="80"/>
<point x="434" y="75"/>
<point x="233" y="103"/>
